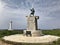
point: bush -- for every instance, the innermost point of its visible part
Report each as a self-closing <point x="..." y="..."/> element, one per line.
<point x="9" y="32"/>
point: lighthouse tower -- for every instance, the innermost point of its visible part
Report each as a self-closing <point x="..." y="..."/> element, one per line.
<point x="10" y="26"/>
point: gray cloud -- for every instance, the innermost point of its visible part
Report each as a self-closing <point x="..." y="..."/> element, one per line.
<point x="16" y="10"/>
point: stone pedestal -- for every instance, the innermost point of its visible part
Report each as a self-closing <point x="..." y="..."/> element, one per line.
<point x="32" y="27"/>
<point x="32" y="22"/>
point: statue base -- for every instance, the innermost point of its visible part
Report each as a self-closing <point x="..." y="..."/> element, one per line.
<point x="32" y="33"/>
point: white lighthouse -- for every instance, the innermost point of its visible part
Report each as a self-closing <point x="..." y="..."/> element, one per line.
<point x="10" y="26"/>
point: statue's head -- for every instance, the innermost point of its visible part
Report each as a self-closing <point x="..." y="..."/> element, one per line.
<point x="32" y="9"/>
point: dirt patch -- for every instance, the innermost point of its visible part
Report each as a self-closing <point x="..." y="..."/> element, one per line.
<point x="4" y="43"/>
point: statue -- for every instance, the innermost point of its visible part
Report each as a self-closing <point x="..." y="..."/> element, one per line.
<point x="32" y="11"/>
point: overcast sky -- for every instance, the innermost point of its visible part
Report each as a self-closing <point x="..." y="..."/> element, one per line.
<point x="17" y="10"/>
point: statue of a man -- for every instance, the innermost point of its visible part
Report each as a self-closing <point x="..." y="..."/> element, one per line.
<point x="32" y="11"/>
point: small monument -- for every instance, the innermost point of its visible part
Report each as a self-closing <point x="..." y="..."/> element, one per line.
<point x="32" y="27"/>
<point x="10" y="25"/>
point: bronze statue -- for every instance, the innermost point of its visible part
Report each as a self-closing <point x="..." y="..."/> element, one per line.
<point x="32" y="11"/>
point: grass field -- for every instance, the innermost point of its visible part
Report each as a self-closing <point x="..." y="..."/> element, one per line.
<point x="45" y="32"/>
<point x="55" y="32"/>
<point x="9" y="32"/>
